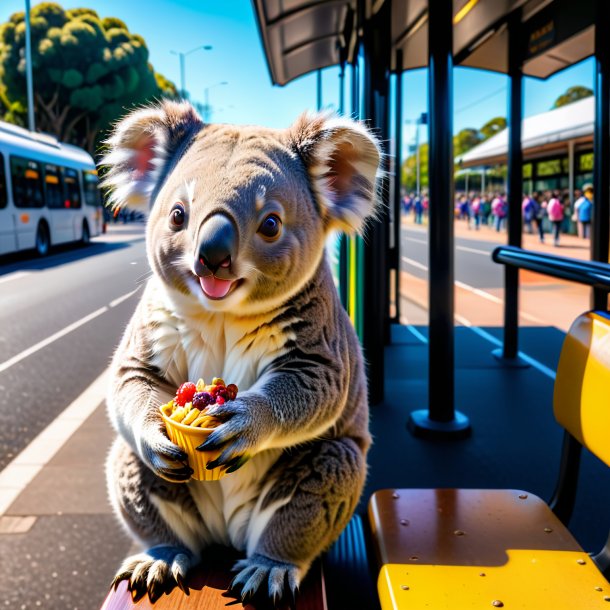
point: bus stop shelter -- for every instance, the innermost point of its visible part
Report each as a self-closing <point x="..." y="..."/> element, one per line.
<point x="379" y="40"/>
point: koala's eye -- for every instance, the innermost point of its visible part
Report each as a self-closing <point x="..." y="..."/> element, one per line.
<point x="270" y="227"/>
<point x="177" y="216"/>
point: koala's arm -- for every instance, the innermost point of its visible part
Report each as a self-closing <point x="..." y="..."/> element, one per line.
<point x="136" y="392"/>
<point x="316" y="389"/>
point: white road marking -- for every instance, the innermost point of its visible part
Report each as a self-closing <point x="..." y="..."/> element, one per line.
<point x="20" y="472"/>
<point x="413" y="263"/>
<point x="14" y="276"/>
<point x="479" y="292"/>
<point x="123" y="298"/>
<point x="463" y="248"/>
<point x="63" y="332"/>
<point x="473" y="250"/>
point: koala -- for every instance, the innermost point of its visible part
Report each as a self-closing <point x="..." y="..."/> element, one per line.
<point x="238" y="218"/>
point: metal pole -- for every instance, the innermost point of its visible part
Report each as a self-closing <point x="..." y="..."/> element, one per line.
<point x="440" y="420"/>
<point x="417" y="189"/>
<point x="571" y="171"/>
<point x="28" y="68"/>
<point x="509" y="354"/>
<point x="182" y="77"/>
<point x="600" y="233"/>
<point x="375" y="263"/>
<point x="319" y="89"/>
<point x="397" y="181"/>
<point x="342" y="89"/>
<point x="482" y="182"/>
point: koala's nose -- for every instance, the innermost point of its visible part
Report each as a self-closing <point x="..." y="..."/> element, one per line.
<point x="217" y="242"/>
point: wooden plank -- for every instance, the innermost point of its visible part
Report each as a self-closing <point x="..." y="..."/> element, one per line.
<point x="208" y="591"/>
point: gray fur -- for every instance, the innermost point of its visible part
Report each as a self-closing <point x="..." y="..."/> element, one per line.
<point x="297" y="435"/>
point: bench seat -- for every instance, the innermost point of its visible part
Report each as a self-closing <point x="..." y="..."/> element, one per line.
<point x="468" y="548"/>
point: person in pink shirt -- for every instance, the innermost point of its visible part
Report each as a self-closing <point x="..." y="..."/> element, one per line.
<point x="554" y="210"/>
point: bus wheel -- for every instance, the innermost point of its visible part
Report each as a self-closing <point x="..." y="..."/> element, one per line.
<point x="86" y="238"/>
<point x="43" y="240"/>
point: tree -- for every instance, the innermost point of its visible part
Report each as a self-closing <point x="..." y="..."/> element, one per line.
<point x="572" y="94"/>
<point x="87" y="72"/>
<point x="492" y="127"/>
<point x="464" y="140"/>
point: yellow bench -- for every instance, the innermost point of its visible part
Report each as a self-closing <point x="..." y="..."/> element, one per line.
<point x="462" y="548"/>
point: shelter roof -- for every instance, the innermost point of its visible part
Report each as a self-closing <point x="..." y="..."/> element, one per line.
<point x="300" y="36"/>
<point x="569" y="122"/>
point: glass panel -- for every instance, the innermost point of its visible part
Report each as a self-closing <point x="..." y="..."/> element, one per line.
<point x="91" y="186"/>
<point x="27" y="183"/>
<point x="552" y="167"/>
<point x="72" y="189"/>
<point x="54" y="190"/>
<point x="585" y="162"/>
<point x="3" y="194"/>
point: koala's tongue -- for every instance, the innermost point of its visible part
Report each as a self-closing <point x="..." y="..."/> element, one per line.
<point x="215" y="287"/>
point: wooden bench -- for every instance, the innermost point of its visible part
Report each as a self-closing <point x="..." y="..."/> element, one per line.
<point x="464" y="548"/>
<point x="340" y="579"/>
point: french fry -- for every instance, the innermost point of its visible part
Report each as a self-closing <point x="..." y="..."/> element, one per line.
<point x="191" y="416"/>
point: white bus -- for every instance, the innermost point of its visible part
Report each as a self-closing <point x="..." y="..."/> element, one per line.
<point x="48" y="192"/>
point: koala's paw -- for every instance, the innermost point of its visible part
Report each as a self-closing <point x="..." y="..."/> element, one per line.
<point x="164" y="458"/>
<point x="155" y="572"/>
<point x="238" y="437"/>
<point x="261" y="579"/>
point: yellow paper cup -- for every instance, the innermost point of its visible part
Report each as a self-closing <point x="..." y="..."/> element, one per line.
<point x="188" y="439"/>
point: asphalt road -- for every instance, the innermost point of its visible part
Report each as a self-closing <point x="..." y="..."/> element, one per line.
<point x="43" y="298"/>
<point x="473" y="264"/>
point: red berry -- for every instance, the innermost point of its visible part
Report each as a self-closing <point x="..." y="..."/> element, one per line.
<point x="231" y="391"/>
<point x="185" y="393"/>
<point x="220" y="400"/>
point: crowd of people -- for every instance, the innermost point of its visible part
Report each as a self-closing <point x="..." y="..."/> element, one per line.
<point x="542" y="212"/>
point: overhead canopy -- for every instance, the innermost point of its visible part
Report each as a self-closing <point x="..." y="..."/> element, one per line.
<point x="541" y="134"/>
<point x="300" y="36"/>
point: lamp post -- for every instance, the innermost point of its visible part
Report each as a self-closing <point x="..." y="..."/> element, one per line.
<point x="422" y="119"/>
<point x="207" y="47"/>
<point x="28" y="68"/>
<point x="206" y="93"/>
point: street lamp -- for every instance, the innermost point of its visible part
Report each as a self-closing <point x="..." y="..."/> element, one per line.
<point x="181" y="55"/>
<point x="28" y="67"/>
<point x="206" y="93"/>
<point x="422" y="119"/>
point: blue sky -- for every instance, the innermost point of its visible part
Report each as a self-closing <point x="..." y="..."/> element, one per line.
<point x="237" y="58"/>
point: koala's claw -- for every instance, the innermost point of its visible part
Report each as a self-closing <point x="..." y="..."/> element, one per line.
<point x="258" y="576"/>
<point x="155" y="572"/>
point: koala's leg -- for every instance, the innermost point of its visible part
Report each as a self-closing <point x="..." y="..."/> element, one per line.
<point x="312" y="494"/>
<point x="162" y="515"/>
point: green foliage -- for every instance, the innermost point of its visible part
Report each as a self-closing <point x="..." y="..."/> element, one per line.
<point x="88" y="71"/>
<point x="465" y="140"/>
<point x="572" y="94"/>
<point x="462" y="142"/>
<point x="492" y="127"/>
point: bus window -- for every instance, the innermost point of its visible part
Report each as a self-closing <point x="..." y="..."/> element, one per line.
<point x="92" y="192"/>
<point x="54" y="191"/>
<point x="72" y="188"/>
<point x="27" y="183"/>
<point x="3" y="196"/>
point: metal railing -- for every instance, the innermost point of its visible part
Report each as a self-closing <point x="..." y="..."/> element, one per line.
<point x="590" y="273"/>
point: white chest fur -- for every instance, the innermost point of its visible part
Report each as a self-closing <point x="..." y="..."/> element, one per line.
<point x="188" y="345"/>
<point x="204" y="345"/>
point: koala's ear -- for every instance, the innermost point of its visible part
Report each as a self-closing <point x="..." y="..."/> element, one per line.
<point x="141" y="147"/>
<point x="342" y="158"/>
